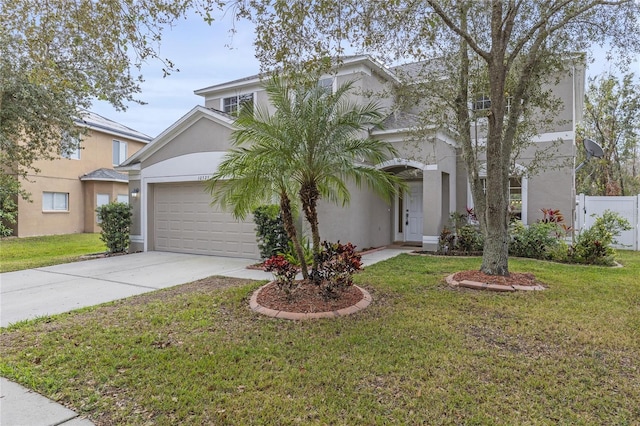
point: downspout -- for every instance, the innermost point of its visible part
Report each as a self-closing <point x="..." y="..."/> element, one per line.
<point x="573" y="152"/>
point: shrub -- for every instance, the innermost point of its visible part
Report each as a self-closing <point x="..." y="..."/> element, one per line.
<point x="446" y="241"/>
<point x="271" y="235"/>
<point x="284" y="273"/>
<point x="465" y="237"/>
<point x="469" y="239"/>
<point x="291" y="255"/>
<point x="593" y="245"/>
<point x="115" y="222"/>
<point x="336" y="265"/>
<point x="536" y="241"/>
<point x="9" y="193"/>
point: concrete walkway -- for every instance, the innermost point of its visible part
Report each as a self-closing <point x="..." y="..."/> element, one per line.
<point x="56" y="289"/>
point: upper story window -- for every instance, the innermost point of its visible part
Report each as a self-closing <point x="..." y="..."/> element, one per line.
<point x="482" y="103"/>
<point x="233" y="104"/>
<point x="70" y="148"/>
<point x="326" y="83"/>
<point x="55" y="201"/>
<point x="119" y="152"/>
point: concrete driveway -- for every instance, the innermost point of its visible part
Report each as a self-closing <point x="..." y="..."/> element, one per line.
<point x="55" y="289"/>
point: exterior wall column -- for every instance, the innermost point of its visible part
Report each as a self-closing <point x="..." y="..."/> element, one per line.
<point x="432" y="207"/>
<point x="136" y="238"/>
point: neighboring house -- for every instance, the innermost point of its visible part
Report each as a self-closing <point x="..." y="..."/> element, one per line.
<point x="174" y="213"/>
<point x="67" y="190"/>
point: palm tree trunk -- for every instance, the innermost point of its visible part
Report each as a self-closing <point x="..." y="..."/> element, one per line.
<point x="290" y="227"/>
<point x="309" y="196"/>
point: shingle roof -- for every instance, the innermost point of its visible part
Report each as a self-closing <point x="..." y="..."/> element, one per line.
<point x="108" y="175"/>
<point x="96" y="121"/>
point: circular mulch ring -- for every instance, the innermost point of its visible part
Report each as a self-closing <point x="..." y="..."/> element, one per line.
<point x="477" y="280"/>
<point x="307" y="302"/>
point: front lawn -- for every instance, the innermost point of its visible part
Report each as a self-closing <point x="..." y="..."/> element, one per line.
<point x="422" y="353"/>
<point x="34" y="252"/>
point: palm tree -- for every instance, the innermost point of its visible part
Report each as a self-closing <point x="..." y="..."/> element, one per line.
<point x="256" y="174"/>
<point x="312" y="144"/>
<point x="331" y="145"/>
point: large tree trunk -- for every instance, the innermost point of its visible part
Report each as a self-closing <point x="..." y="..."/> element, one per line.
<point x="495" y="258"/>
<point x="290" y="227"/>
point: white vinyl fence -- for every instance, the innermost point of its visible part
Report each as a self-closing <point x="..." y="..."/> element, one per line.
<point x="588" y="207"/>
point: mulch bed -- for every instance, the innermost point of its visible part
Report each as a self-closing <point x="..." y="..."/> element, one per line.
<point x="514" y="278"/>
<point x="307" y="298"/>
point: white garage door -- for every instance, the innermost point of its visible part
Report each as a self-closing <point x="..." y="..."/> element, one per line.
<point x="185" y="222"/>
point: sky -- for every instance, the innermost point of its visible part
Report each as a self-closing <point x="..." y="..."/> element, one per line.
<point x="207" y="55"/>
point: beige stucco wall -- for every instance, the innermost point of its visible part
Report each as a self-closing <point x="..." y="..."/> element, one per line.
<point x="63" y="175"/>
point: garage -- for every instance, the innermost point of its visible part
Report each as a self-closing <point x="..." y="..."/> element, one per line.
<point x="185" y="222"/>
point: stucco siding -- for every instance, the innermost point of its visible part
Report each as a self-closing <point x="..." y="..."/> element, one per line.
<point x="62" y="175"/>
<point x="204" y="135"/>
<point x="365" y="221"/>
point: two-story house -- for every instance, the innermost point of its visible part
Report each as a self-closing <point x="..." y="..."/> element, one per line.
<point x="67" y="190"/>
<point x="174" y="213"/>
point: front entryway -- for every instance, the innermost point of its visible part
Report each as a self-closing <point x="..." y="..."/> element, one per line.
<point x="413" y="212"/>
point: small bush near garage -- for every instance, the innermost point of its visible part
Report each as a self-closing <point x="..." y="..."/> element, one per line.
<point x="270" y="232"/>
<point x="115" y="220"/>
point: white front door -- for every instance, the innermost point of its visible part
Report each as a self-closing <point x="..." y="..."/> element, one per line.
<point x="413" y="213"/>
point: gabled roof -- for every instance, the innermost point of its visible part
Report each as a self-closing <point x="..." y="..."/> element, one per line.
<point x="174" y="130"/>
<point x="257" y="78"/>
<point x="105" y="175"/>
<point x="97" y="122"/>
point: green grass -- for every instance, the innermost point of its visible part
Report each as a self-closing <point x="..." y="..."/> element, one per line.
<point x="33" y="252"/>
<point x="422" y="353"/>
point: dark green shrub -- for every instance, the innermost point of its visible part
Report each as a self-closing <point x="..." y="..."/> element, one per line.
<point x="271" y="235"/>
<point x="9" y="193"/>
<point x="593" y="245"/>
<point x="469" y="239"/>
<point x="537" y="241"/>
<point x="115" y="222"/>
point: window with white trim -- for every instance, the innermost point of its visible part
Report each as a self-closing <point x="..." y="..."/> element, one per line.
<point x="233" y="104"/>
<point x="326" y="83"/>
<point x="101" y="200"/>
<point x="123" y="198"/>
<point x="119" y="152"/>
<point x="70" y="148"/>
<point x="515" y="196"/>
<point x="482" y="103"/>
<point x="55" y="201"/>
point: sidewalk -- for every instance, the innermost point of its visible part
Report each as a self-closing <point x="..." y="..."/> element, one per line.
<point x="35" y="292"/>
